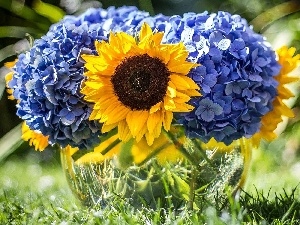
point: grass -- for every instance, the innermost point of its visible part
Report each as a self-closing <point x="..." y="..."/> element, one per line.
<point x="34" y="191"/>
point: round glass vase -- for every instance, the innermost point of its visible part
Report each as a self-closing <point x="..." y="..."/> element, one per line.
<point x="173" y="172"/>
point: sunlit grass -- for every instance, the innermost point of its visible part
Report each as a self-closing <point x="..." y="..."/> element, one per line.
<point x="274" y="169"/>
<point x="35" y="191"/>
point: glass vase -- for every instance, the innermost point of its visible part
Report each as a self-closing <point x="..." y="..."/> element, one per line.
<point x="173" y="172"/>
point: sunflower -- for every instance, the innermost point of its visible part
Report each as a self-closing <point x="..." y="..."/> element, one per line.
<point x="220" y="146"/>
<point x="163" y="149"/>
<point x="8" y="78"/>
<point x="136" y="83"/>
<point x="270" y="121"/>
<point x="35" y="138"/>
<point x="106" y="150"/>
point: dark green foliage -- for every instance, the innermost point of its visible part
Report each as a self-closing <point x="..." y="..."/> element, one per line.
<point x="284" y="207"/>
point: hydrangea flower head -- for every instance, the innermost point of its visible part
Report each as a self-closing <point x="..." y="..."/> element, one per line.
<point x="47" y="79"/>
<point x="236" y="76"/>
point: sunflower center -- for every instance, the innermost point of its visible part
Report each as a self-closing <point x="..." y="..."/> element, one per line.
<point x="140" y="81"/>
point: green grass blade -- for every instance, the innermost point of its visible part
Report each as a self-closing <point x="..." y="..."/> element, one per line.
<point x="10" y="142"/>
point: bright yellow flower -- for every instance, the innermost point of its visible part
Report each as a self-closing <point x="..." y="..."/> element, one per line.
<point x="220" y="146"/>
<point x="163" y="149"/>
<point x="35" y="138"/>
<point x="270" y="121"/>
<point x="136" y="83"/>
<point x="107" y="149"/>
<point x="8" y="78"/>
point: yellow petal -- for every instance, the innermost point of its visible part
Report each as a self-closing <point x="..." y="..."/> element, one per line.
<point x="141" y="134"/>
<point x="150" y="138"/>
<point x="181" y="98"/>
<point x="169" y="104"/>
<point x="180" y="67"/>
<point x="171" y="90"/>
<point x="183" y="107"/>
<point x="136" y="120"/>
<point x="91" y="157"/>
<point x="140" y="151"/>
<point x="285" y="93"/>
<point x="191" y="92"/>
<point x="123" y="131"/>
<point x="117" y="114"/>
<point x="167" y="120"/>
<point x="105" y="128"/>
<point x="114" y="113"/>
<point x="154" y="120"/>
<point x="155" y="107"/>
<point x="157" y="37"/>
<point x="286" y="111"/>
<point x="183" y="82"/>
<point x="94" y="84"/>
<point x="145" y="32"/>
<point x="126" y="42"/>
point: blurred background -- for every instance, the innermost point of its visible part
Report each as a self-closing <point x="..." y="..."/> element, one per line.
<point x="21" y="21"/>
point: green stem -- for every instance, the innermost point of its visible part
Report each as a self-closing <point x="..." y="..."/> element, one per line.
<point x="247" y="154"/>
<point x="154" y="153"/>
<point x="111" y="146"/>
<point x="192" y="187"/>
<point x="203" y="154"/>
<point x="182" y="149"/>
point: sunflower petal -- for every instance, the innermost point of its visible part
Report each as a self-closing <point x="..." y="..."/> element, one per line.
<point x="91" y="157"/>
<point x="136" y="120"/>
<point x="106" y="128"/>
<point x="123" y="131"/>
<point x="154" y="120"/>
<point x="114" y="113"/>
<point x="156" y="107"/>
<point x="167" y="120"/>
<point x="145" y="32"/>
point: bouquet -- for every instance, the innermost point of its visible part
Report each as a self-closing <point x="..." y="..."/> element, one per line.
<point x="152" y="108"/>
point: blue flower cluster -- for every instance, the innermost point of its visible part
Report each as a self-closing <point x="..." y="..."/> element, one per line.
<point x="47" y="79"/>
<point x="236" y="74"/>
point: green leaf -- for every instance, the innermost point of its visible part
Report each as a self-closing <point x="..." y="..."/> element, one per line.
<point x="180" y="188"/>
<point x="10" y="142"/>
<point x="2" y="86"/>
<point x="2" y="89"/>
<point x="19" y="9"/>
<point x="7" y="52"/>
<point x="275" y="13"/>
<point x="17" y="32"/>
<point x="147" y="6"/>
<point x="43" y="9"/>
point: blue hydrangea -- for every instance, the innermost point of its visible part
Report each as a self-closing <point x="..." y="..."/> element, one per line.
<point x="236" y="75"/>
<point x="47" y="78"/>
